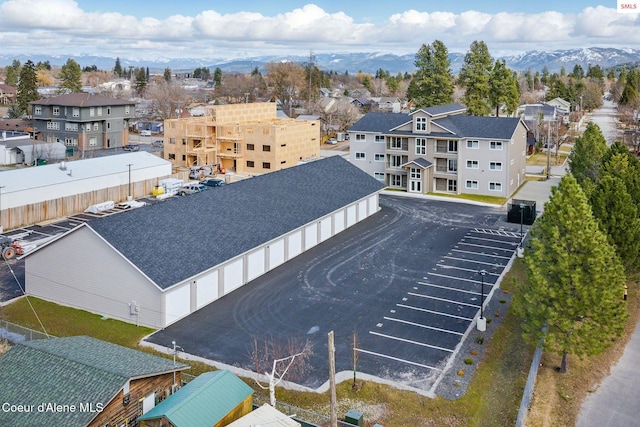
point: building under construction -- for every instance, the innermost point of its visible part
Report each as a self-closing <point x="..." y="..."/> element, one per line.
<point x="244" y="138"/>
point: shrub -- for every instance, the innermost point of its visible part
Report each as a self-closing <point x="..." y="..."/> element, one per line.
<point x="468" y="361"/>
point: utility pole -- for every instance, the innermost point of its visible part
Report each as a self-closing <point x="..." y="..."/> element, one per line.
<point x="129" y="196"/>
<point x="310" y="74"/>
<point x="332" y="380"/>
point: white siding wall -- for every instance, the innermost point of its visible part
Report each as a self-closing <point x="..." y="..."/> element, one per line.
<point x="325" y="229"/>
<point x="233" y="275"/>
<point x="276" y="254"/>
<point x="310" y="236"/>
<point x="351" y="215"/>
<point x="295" y="244"/>
<point x="338" y="222"/>
<point x="362" y="210"/>
<point x="255" y="264"/>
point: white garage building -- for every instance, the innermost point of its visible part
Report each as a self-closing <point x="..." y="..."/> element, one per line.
<point x="156" y="265"/>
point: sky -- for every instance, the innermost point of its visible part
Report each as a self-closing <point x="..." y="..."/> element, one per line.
<point x="208" y="29"/>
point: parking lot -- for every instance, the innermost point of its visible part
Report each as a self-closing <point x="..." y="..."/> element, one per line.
<point x="406" y="282"/>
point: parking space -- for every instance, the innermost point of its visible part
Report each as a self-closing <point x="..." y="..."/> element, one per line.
<point x="405" y="282"/>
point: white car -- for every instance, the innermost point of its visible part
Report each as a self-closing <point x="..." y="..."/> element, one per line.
<point x="331" y="141"/>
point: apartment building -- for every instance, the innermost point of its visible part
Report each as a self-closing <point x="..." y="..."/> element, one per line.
<point x="83" y="121"/>
<point x="245" y="138"/>
<point x="441" y="149"/>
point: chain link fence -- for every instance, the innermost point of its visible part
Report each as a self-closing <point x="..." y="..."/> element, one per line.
<point x="16" y="333"/>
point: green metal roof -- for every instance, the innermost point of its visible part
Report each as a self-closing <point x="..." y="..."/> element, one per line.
<point x="203" y="402"/>
<point x="69" y="371"/>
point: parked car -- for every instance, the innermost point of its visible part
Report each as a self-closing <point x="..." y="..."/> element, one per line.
<point x="131" y="147"/>
<point x="191" y="189"/>
<point x="211" y="182"/>
<point x="199" y="172"/>
<point x="158" y="143"/>
<point x="331" y="141"/>
<point x="145" y="133"/>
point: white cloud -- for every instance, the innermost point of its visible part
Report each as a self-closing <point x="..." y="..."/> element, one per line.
<point x="60" y="26"/>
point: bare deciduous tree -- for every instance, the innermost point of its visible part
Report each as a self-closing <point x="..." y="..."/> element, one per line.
<point x="168" y="98"/>
<point x="277" y="359"/>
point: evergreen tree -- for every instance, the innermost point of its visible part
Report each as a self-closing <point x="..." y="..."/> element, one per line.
<point x="117" y="70"/>
<point x="27" y="90"/>
<point x="474" y="76"/>
<point x="167" y="74"/>
<point x="217" y="76"/>
<point x="619" y="163"/>
<point x="432" y="83"/>
<point x="586" y="158"/>
<point x="13" y="73"/>
<point x="503" y="88"/>
<point x="71" y="76"/>
<point x="141" y="81"/>
<point x="575" y="279"/>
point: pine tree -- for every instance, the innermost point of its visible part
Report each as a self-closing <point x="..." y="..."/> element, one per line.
<point x="504" y="88"/>
<point x="71" y="76"/>
<point x="586" y="158"/>
<point x="167" y="74"/>
<point x="432" y="83"/>
<point x="13" y="73"/>
<point x="474" y="76"/>
<point x="117" y="70"/>
<point x="217" y="75"/>
<point x="141" y="81"/>
<point x="575" y="279"/>
<point x="27" y="90"/>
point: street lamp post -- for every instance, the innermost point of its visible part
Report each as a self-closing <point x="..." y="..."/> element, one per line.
<point x="129" y="196"/>
<point x="522" y="206"/>
<point x="482" y="322"/>
<point x="1" y="229"/>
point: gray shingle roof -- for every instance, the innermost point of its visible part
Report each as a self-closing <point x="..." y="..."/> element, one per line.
<point x="181" y="237"/>
<point x="437" y="110"/>
<point x="81" y="100"/>
<point x="422" y="162"/>
<point x="380" y="122"/>
<point x="70" y="371"/>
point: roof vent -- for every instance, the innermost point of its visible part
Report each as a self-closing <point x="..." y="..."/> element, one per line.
<point x="63" y="166"/>
<point x="69" y="172"/>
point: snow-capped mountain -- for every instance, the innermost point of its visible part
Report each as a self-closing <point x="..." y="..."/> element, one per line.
<point x="355" y="62"/>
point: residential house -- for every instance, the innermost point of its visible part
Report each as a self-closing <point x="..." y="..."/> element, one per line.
<point x="81" y="381"/>
<point x="82" y="121"/>
<point x="389" y="104"/>
<point x="441" y="149"/>
<point x="169" y="259"/>
<point x="265" y="415"/>
<point x="7" y="94"/>
<point x="562" y="107"/>
<point x="213" y="399"/>
<point x="245" y="138"/>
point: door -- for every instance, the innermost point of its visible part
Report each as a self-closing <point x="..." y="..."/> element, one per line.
<point x="415" y="181"/>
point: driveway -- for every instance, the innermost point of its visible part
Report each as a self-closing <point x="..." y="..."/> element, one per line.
<point x="406" y="281"/>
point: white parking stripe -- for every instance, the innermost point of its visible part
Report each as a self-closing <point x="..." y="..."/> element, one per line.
<point x="457" y="278"/>
<point x="397" y="359"/>
<point x="423" y="326"/>
<point x="485" y="247"/>
<point x="448" y="288"/>
<point x="480" y="253"/>
<point x="444" y="300"/>
<point x="472" y="270"/>
<point x="437" y="313"/>
<point x="473" y="261"/>
<point x="484" y="239"/>
<point x="411" y="341"/>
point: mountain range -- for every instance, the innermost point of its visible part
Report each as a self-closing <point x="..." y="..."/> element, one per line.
<point x="355" y="62"/>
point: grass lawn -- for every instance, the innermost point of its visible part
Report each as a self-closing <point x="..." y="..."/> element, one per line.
<point x="540" y="159"/>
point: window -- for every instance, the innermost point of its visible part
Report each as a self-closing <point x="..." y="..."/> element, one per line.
<point x="415" y="173"/>
<point x="395" y="180"/>
<point x="453" y="146"/>
<point x="473" y="185"/>
<point x="172" y="156"/>
<point x="379" y="138"/>
<point x="421" y="123"/>
<point x="71" y="126"/>
<point x="452" y="165"/>
<point x="76" y="112"/>
<point x="99" y="110"/>
<point x="70" y="142"/>
<point x="361" y="137"/>
<point x="92" y="112"/>
<point x="53" y="125"/>
<point x="266" y="148"/>
<point x="452" y="185"/>
<point x="495" y="166"/>
<point x="266" y="165"/>
<point x="495" y="145"/>
<point x="250" y="147"/>
<point x="250" y="163"/>
<point x="184" y="141"/>
<point x="421" y="146"/>
<point x="56" y="111"/>
<point x="172" y="141"/>
<point x="472" y="164"/>
<point x="360" y="156"/>
<point x="93" y="141"/>
<point x="474" y="145"/>
<point x="378" y="157"/>
<point x="495" y="186"/>
<point x="283" y="145"/>
<point x="379" y="176"/>
<point x="283" y="162"/>
<point x="126" y="109"/>
<point x="395" y="143"/>
<point x="108" y="111"/>
<point x="395" y="161"/>
<point x="37" y="110"/>
<point x="108" y="125"/>
<point x="96" y="126"/>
